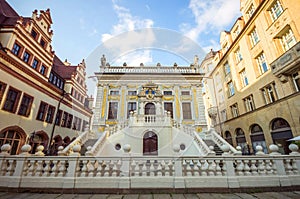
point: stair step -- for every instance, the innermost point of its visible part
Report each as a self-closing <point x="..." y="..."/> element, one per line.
<point x="217" y="149"/>
<point x="89" y="142"/>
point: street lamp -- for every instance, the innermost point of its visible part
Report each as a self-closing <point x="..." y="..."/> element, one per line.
<point x="50" y="143"/>
<point x="215" y="96"/>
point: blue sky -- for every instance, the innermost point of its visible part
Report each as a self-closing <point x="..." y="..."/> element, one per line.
<point x="80" y="26"/>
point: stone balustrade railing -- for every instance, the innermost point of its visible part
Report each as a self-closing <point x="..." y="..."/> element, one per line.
<point x="26" y="172"/>
<point x="80" y="140"/>
<point x="93" y="151"/>
<point x="158" y="120"/>
<point x="214" y="136"/>
<point x="148" y="70"/>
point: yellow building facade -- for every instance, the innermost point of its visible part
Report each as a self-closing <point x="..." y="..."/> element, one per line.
<point x="258" y="67"/>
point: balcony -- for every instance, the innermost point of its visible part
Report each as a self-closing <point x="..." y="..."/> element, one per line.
<point x="287" y="63"/>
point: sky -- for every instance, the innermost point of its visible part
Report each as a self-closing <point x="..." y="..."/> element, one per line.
<point x="138" y="31"/>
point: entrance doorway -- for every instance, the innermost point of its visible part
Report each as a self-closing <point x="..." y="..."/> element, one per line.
<point x="281" y="132"/>
<point x="150" y="143"/>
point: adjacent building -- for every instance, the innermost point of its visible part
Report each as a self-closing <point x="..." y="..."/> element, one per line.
<point x="42" y="99"/>
<point x="254" y="78"/>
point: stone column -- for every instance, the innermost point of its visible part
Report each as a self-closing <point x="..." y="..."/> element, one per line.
<point x="177" y="114"/>
<point x="100" y="107"/>
<point x="200" y="119"/>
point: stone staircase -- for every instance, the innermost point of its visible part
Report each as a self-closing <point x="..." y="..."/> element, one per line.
<point x="89" y="142"/>
<point x="217" y="149"/>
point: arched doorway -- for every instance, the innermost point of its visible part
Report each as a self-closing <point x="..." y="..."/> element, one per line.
<point x="57" y="141"/>
<point x="150" y="109"/>
<point x="36" y="139"/>
<point x="228" y="137"/>
<point x="150" y="143"/>
<point x="281" y="132"/>
<point x="241" y="141"/>
<point x="258" y="138"/>
<point x="15" y="136"/>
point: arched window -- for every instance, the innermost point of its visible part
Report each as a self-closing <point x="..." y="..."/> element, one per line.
<point x="241" y="141"/>
<point x="150" y="109"/>
<point x="150" y="143"/>
<point x="14" y="136"/>
<point x="228" y="137"/>
<point x="258" y="138"/>
<point x="281" y="132"/>
<point x="38" y="138"/>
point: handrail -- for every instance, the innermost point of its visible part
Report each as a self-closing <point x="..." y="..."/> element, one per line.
<point x="95" y="149"/>
<point x="81" y="139"/>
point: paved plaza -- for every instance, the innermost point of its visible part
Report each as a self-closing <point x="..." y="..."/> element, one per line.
<point x="262" y="195"/>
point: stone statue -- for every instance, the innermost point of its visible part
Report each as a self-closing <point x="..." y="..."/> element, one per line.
<point x="103" y="61"/>
<point x="196" y="59"/>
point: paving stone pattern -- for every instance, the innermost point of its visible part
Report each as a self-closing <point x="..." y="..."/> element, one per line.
<point x="262" y="195"/>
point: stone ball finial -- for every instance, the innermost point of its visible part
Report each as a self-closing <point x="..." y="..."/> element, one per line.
<point x="25" y="149"/>
<point x="76" y="148"/>
<point x="211" y="148"/>
<point x="294" y="148"/>
<point x="259" y="150"/>
<point x="39" y="151"/>
<point x="176" y="148"/>
<point x="5" y="149"/>
<point x="127" y="148"/>
<point x="274" y="149"/>
<point x="89" y="148"/>
<point x="239" y="148"/>
<point x="225" y="148"/>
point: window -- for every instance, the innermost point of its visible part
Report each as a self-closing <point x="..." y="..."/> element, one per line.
<point x="43" y="70"/>
<point x="35" y="63"/>
<point x="76" y="124"/>
<point x="262" y="64"/>
<point x="50" y="114"/>
<point x="288" y="39"/>
<point x="33" y="34"/>
<point x="186" y="110"/>
<point x="42" y="111"/>
<point x="185" y="92"/>
<point x="25" y="106"/>
<point x="2" y="90"/>
<point x="64" y="119"/>
<point x="12" y="100"/>
<point x="270" y="93"/>
<point x="296" y="81"/>
<point x="230" y="87"/>
<point x="250" y="11"/>
<point x="223" y="115"/>
<point x="132" y="93"/>
<point x="26" y="57"/>
<point x="249" y="103"/>
<point x="234" y="110"/>
<point x="69" y="121"/>
<point x="276" y="10"/>
<point x="167" y="92"/>
<point x="16" y="49"/>
<point x="254" y="37"/>
<point x="236" y="31"/>
<point x="238" y="55"/>
<point x="131" y="106"/>
<point x="58" y="117"/>
<point x="43" y="43"/>
<point x="244" y="78"/>
<point x="113" y="110"/>
<point x="168" y="106"/>
<point x="114" y="92"/>
<point x="12" y="137"/>
<point x="227" y="68"/>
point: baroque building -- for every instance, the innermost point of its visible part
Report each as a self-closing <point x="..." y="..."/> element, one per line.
<point x="254" y="77"/>
<point x="42" y="99"/>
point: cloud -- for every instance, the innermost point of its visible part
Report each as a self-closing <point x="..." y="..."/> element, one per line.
<point x="128" y="22"/>
<point x="210" y="16"/>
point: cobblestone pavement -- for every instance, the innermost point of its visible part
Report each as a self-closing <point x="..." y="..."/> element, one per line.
<point x="262" y="195"/>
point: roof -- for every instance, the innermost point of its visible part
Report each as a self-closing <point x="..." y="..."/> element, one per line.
<point x="8" y="16"/>
<point x="61" y="69"/>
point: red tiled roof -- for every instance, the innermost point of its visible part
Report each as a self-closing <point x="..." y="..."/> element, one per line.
<point x="8" y="16"/>
<point x="61" y="69"/>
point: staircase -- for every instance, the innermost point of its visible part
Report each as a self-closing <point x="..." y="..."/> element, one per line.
<point x="89" y="142"/>
<point x="217" y="149"/>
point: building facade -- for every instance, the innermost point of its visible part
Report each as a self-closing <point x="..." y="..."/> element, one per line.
<point x="256" y="76"/>
<point x="42" y="99"/>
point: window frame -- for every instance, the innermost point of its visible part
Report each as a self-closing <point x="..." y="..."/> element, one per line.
<point x="273" y="10"/>
<point x="187" y="111"/>
<point x="43" y="108"/>
<point x="249" y="103"/>
<point x="231" y="90"/>
<point x="254" y="38"/>
<point x="112" y="110"/>
<point x="244" y="78"/>
<point x="14" y="102"/>
<point x="26" y="105"/>
<point x="262" y="63"/>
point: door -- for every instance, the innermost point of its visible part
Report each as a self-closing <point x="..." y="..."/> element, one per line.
<point x="150" y="143"/>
